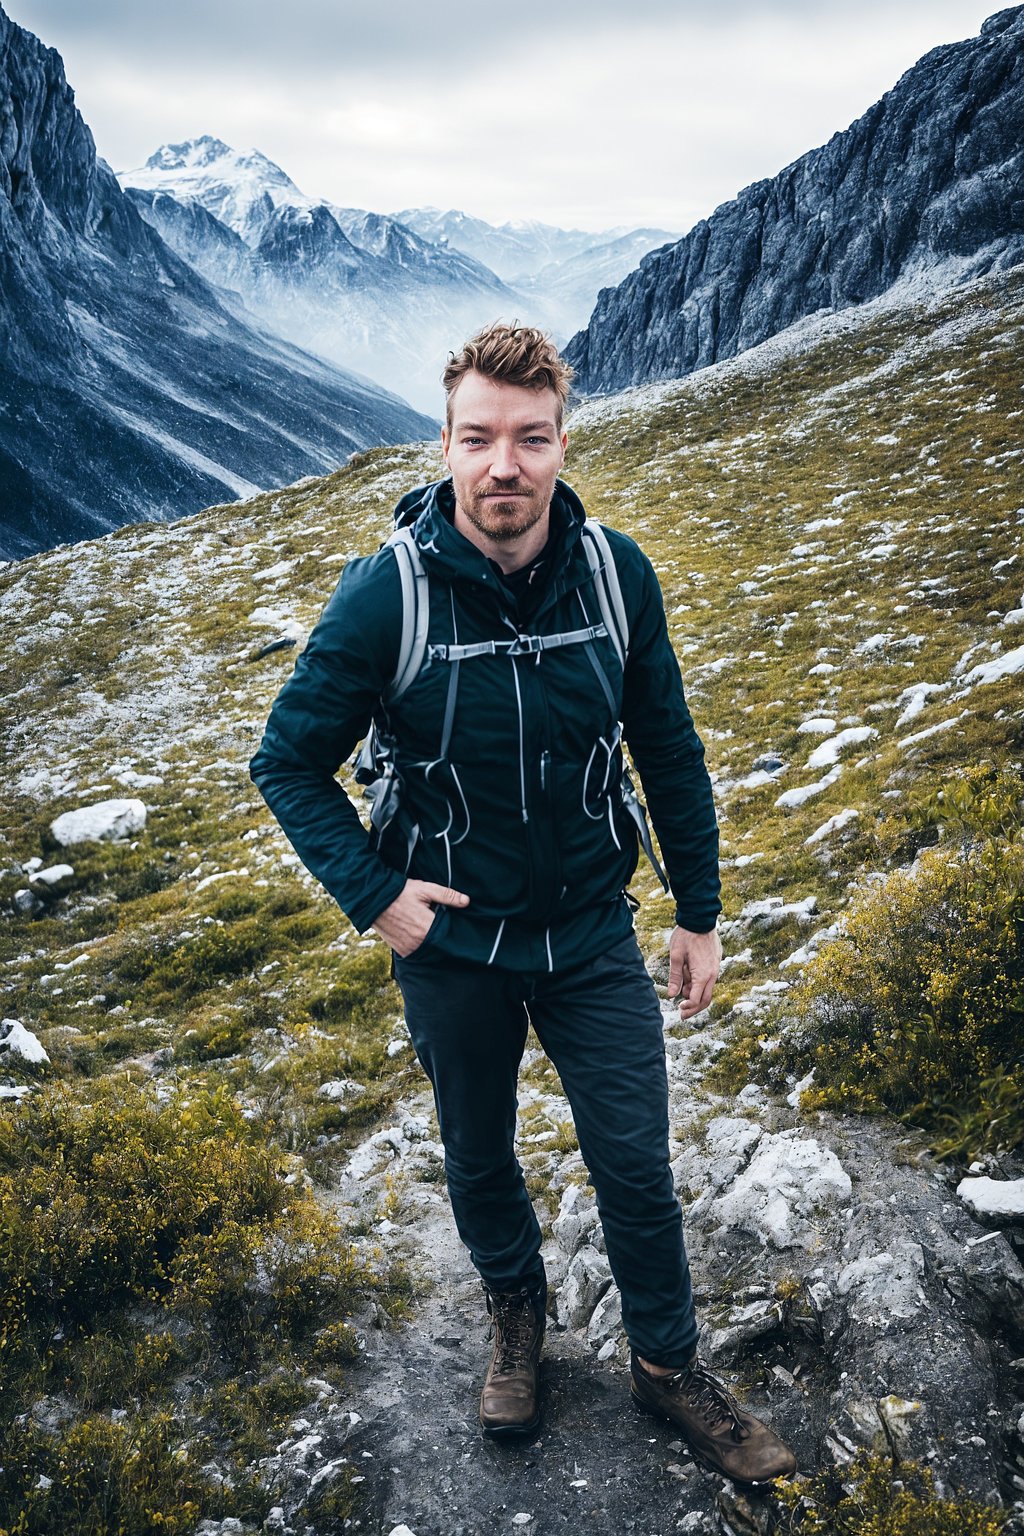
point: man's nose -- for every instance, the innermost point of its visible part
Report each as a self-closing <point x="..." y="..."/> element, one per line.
<point x="504" y="462"/>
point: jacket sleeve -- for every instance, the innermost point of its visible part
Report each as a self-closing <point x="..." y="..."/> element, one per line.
<point x="668" y="753"/>
<point x="320" y="714"/>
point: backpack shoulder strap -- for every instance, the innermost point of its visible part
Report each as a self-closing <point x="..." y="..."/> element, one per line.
<point x="607" y="587"/>
<point x="415" y="611"/>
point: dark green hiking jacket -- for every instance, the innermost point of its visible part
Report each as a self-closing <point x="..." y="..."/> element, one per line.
<point x="524" y="813"/>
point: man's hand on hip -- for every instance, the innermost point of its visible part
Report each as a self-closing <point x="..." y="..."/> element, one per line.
<point x="694" y="960"/>
<point x="404" y="924"/>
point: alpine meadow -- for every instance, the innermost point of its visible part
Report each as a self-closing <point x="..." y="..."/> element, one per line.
<point x="221" y="1184"/>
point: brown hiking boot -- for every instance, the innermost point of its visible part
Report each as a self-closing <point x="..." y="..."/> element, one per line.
<point x="509" y="1401"/>
<point x="721" y="1435"/>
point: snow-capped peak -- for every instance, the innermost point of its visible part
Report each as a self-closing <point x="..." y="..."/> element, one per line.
<point x="240" y="187"/>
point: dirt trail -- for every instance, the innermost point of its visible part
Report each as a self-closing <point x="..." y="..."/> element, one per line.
<point x="598" y="1465"/>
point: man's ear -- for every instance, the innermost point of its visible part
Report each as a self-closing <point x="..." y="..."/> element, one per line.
<point x="445" y="442"/>
<point x="565" y="444"/>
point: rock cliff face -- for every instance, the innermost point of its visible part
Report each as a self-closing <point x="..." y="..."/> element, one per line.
<point x="934" y="172"/>
<point x="129" y="389"/>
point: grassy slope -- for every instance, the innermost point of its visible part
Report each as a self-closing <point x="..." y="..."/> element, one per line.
<point x="860" y="479"/>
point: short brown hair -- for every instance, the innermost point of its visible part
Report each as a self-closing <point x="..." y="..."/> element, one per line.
<point x="516" y="354"/>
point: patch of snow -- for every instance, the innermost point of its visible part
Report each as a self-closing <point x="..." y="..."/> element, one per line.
<point x="933" y="730"/>
<point x="834" y="823"/>
<point x="828" y="753"/>
<point x="914" y="699"/>
<point x="818" y="725"/>
<point x="790" y="798"/>
<point x="1007" y="665"/>
<point x="15" y="1037"/>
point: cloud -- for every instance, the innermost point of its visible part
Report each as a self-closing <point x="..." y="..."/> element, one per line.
<point x="588" y="112"/>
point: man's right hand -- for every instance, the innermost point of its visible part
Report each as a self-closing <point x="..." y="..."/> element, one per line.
<point x="404" y="924"/>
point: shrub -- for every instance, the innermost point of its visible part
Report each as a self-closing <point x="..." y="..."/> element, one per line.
<point x="100" y="1478"/>
<point x="918" y="1006"/>
<point x="97" y="1199"/>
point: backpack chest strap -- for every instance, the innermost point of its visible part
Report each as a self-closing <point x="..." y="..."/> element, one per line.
<point x="522" y="645"/>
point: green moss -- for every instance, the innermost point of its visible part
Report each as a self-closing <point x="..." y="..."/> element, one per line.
<point x="870" y="1498"/>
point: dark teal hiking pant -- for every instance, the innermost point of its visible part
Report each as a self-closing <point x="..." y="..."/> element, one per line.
<point x="601" y="1026"/>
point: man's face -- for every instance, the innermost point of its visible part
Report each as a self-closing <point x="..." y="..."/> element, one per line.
<point x="504" y="451"/>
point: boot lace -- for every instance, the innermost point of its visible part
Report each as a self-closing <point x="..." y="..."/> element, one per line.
<point x="513" y="1327"/>
<point x="710" y="1395"/>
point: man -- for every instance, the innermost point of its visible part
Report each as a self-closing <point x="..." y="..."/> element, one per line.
<point x="500" y="882"/>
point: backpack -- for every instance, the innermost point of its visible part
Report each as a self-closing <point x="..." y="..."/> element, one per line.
<point x="375" y="763"/>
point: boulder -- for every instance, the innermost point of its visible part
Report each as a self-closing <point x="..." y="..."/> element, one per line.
<point x="103" y="822"/>
<point x="789" y="1184"/>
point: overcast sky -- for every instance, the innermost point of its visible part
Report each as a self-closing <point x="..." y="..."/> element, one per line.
<point x="590" y="113"/>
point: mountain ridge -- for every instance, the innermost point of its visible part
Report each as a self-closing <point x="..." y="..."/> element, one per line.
<point x="933" y="169"/>
<point x="132" y="389"/>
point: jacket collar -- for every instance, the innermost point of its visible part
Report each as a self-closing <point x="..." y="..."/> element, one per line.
<point x="446" y="551"/>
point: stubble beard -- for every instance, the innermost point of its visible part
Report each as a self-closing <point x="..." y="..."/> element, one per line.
<point x="504" y="522"/>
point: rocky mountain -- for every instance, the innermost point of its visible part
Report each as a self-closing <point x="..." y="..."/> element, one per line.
<point x="557" y="272"/>
<point x="130" y="388"/>
<point x="387" y="294"/>
<point x="261" y="1317"/>
<point x="932" y="174"/>
<point x="515" y="250"/>
<point x="356" y="287"/>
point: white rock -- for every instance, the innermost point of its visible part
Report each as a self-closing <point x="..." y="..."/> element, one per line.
<point x="884" y="1286"/>
<point x="55" y="879"/>
<point x="401" y="1530"/>
<point x="17" y="1092"/>
<point x="588" y="1278"/>
<point x="606" y="1324"/>
<point x="799" y="1088"/>
<point x="15" y="1037"/>
<point x="818" y="725"/>
<point x="790" y="1180"/>
<point x="993" y="1199"/>
<point x="101" y="822"/>
<point x="341" y="1089"/>
<point x="566" y="1226"/>
<point x="743" y="1325"/>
